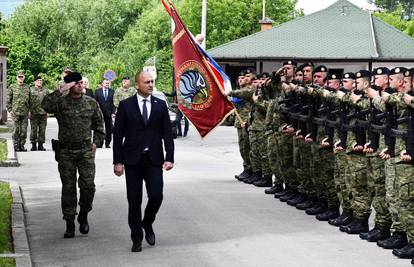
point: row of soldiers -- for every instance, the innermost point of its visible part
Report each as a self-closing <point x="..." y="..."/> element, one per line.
<point x="24" y="104"/>
<point x="332" y="141"/>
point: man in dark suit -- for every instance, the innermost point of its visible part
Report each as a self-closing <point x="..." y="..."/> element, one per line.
<point x="142" y="124"/>
<point x="105" y="96"/>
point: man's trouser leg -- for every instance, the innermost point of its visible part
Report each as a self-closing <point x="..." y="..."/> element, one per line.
<point x="392" y="195"/>
<point x="266" y="170"/>
<point x="42" y="129"/>
<point x="405" y="174"/>
<point x="328" y="159"/>
<point x="341" y="176"/>
<point x="38" y="128"/>
<point x="376" y="183"/>
<point x="273" y="158"/>
<point x="255" y="158"/>
<point x="285" y="148"/>
<point x="244" y="147"/>
<point x="304" y="170"/>
<point x="317" y="173"/>
<point x="20" y="130"/>
<point x="359" y="186"/>
<point x="34" y="129"/>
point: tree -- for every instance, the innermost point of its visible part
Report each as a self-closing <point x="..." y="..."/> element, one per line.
<point x="393" y="5"/>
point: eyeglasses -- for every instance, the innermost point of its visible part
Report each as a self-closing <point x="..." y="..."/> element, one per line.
<point x="20" y="77"/>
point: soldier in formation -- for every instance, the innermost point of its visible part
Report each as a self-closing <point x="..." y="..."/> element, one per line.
<point x="335" y="142"/>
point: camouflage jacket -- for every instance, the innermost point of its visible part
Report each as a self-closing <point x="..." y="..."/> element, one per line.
<point x="244" y="108"/>
<point x="36" y="98"/>
<point x="77" y="118"/>
<point x="18" y="98"/>
<point x="123" y="93"/>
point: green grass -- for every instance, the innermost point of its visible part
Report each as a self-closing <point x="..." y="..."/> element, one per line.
<point x="4" y="130"/>
<point x="6" y="245"/>
<point x="3" y="149"/>
<point x="7" y="262"/>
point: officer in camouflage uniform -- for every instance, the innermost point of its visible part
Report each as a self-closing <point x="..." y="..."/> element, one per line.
<point x="38" y="116"/>
<point x="78" y="116"/>
<point x="18" y="97"/>
<point x="124" y="92"/>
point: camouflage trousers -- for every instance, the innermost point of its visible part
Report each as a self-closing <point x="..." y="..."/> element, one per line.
<point x="272" y="139"/>
<point x="376" y="188"/>
<point x="71" y="162"/>
<point x="19" y="129"/>
<point x="392" y="186"/>
<point x="302" y="153"/>
<point x="258" y="152"/>
<point x="38" y="124"/>
<point x="405" y="174"/>
<point x="361" y="204"/>
<point x="322" y="169"/>
<point x="343" y="181"/>
<point x="285" y="160"/>
<point x="244" y="147"/>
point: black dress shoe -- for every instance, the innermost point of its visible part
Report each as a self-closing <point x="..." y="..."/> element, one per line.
<point x="396" y="241"/>
<point x="136" y="247"/>
<point x="70" y="229"/>
<point x="83" y="222"/>
<point x="376" y="234"/>
<point x="149" y="235"/>
<point x="356" y="227"/>
<point x="344" y="219"/>
<point x="300" y="198"/>
<point x="327" y="215"/>
<point x="274" y="189"/>
<point x="306" y="205"/>
<point x="406" y="252"/>
<point x="315" y="210"/>
<point x="289" y="196"/>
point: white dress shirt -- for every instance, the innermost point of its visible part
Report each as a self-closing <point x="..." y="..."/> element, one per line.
<point x="141" y="103"/>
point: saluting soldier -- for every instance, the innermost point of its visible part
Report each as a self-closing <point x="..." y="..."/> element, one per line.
<point x="81" y="130"/>
<point x="38" y="116"/>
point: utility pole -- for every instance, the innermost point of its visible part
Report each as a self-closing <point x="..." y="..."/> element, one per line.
<point x="264" y="10"/>
<point x="204" y="23"/>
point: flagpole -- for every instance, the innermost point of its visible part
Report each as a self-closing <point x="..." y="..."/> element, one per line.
<point x="204" y="23"/>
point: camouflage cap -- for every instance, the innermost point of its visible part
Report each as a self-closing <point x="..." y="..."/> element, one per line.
<point x="20" y="72"/>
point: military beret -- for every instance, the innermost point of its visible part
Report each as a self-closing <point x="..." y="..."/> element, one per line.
<point x="125" y="78"/>
<point x="412" y="71"/>
<point x="307" y="64"/>
<point x="250" y="70"/>
<point x="38" y="78"/>
<point x="407" y="73"/>
<point x="259" y="76"/>
<point x="73" y="77"/>
<point x="320" y="68"/>
<point x="20" y="72"/>
<point x="381" y="71"/>
<point x="398" y="70"/>
<point x="290" y="62"/>
<point x="241" y="74"/>
<point x="300" y="68"/>
<point x="363" y="74"/>
<point x="334" y="75"/>
<point x="349" y="75"/>
<point x="265" y="75"/>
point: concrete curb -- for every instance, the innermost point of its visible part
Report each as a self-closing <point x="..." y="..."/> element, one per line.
<point x="11" y="160"/>
<point x="18" y="225"/>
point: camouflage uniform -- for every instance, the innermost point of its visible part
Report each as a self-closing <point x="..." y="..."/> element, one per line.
<point x="77" y="118"/>
<point x="18" y="97"/>
<point x="38" y="118"/>
<point x="123" y="93"/>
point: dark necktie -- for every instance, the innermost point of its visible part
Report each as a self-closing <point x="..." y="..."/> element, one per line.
<point x="145" y="111"/>
<point x="105" y="94"/>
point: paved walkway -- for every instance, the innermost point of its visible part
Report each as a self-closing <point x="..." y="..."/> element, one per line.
<point x="207" y="218"/>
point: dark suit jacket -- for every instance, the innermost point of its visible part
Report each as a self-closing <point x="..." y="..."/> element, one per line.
<point x="107" y="106"/>
<point x="89" y="92"/>
<point x="131" y="135"/>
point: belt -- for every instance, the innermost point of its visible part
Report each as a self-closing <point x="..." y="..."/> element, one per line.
<point x="319" y="121"/>
<point x="75" y="146"/>
<point x="348" y="127"/>
<point x="332" y="124"/>
<point x="294" y="116"/>
<point x="363" y="124"/>
<point x="378" y="128"/>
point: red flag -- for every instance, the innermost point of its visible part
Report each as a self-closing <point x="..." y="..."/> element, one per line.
<point x="199" y="91"/>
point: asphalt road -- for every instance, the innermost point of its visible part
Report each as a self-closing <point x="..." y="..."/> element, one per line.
<point x="207" y="217"/>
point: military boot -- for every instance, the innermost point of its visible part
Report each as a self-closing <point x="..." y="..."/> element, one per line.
<point x="291" y="195"/>
<point x="16" y="147"/>
<point x="377" y="233"/>
<point x="70" y="229"/>
<point x="266" y="181"/>
<point x="274" y="189"/>
<point x="396" y="241"/>
<point x="243" y="175"/>
<point x="328" y="215"/>
<point x="22" y="148"/>
<point x="357" y="226"/>
<point x="40" y="147"/>
<point x="255" y="177"/>
<point x="282" y="193"/>
<point x="406" y="252"/>
<point x="34" y="148"/>
<point x="318" y="208"/>
<point x="83" y="222"/>
<point x="344" y="219"/>
<point x="310" y="202"/>
<point x="300" y="198"/>
<point x="412" y="261"/>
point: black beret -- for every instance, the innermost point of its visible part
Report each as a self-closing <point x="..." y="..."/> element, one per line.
<point x="412" y="71"/>
<point x="381" y="71"/>
<point x="307" y="64"/>
<point x="125" y="78"/>
<point x="265" y="75"/>
<point x="38" y="78"/>
<point x="320" y="68"/>
<point x="407" y="73"/>
<point x="363" y="74"/>
<point x="241" y="74"/>
<point x="250" y="70"/>
<point x="334" y="75"/>
<point x="398" y="70"/>
<point x="73" y="77"/>
<point x="349" y="75"/>
<point x="290" y="62"/>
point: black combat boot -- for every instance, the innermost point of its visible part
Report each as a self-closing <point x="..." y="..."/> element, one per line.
<point x="406" y="252"/>
<point x="377" y="233"/>
<point x="70" y="229"/>
<point x="16" y="147"/>
<point x="255" y="177"/>
<point x="283" y="192"/>
<point x="310" y="202"/>
<point x="83" y="222"/>
<point x="34" y="148"/>
<point x="318" y="208"/>
<point x="40" y="147"/>
<point x="300" y="198"/>
<point x="266" y="181"/>
<point x="345" y="218"/>
<point x="396" y="241"/>
<point x="328" y="215"/>
<point x="22" y="148"/>
<point x="356" y="227"/>
<point x="289" y="196"/>
<point x="274" y="189"/>
<point x="243" y="175"/>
